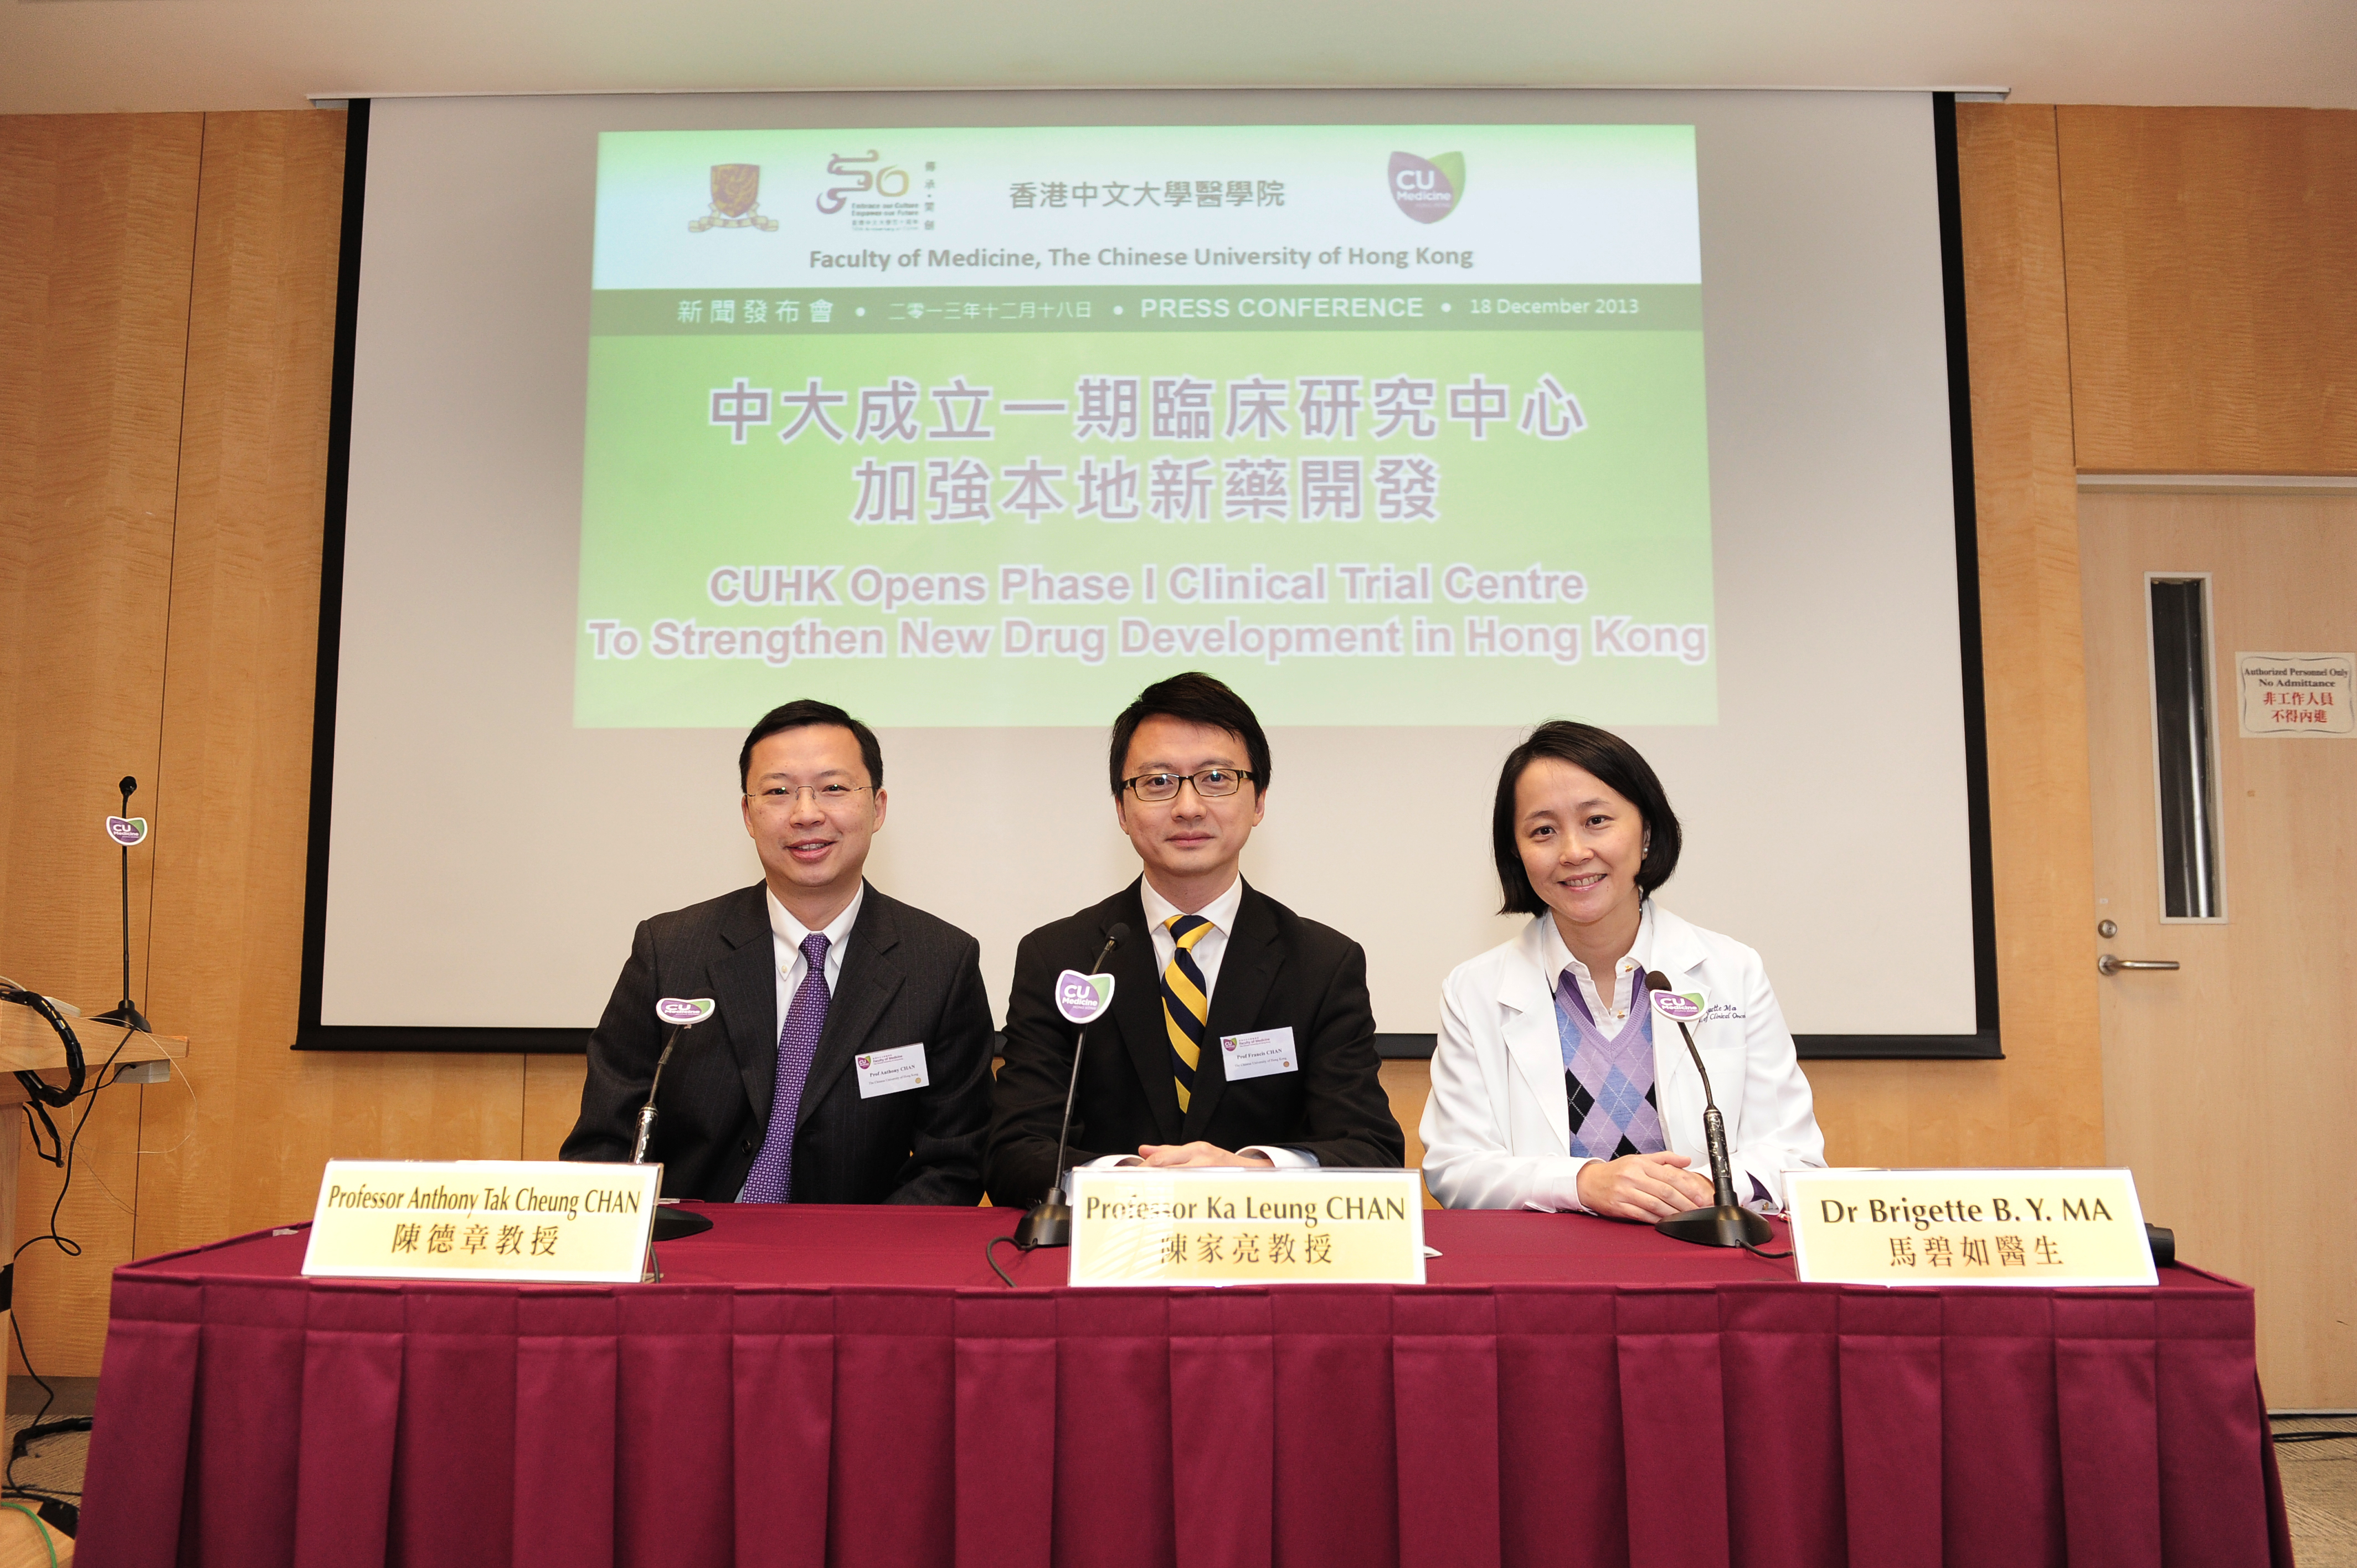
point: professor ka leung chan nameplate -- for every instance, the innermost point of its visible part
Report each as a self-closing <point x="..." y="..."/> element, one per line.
<point x="1138" y="1226"/>
<point x="1968" y="1227"/>
<point x="552" y="1220"/>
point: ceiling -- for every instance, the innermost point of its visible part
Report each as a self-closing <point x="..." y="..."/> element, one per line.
<point x="62" y="56"/>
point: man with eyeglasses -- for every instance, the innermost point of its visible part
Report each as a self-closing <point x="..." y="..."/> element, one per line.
<point x="849" y="1061"/>
<point x="1239" y="1033"/>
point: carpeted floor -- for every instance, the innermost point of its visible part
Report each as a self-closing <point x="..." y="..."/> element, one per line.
<point x="53" y="1465"/>
<point x="2320" y="1479"/>
<point x="2319" y="1482"/>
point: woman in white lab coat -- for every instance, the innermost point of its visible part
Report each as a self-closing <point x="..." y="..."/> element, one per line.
<point x="1554" y="1086"/>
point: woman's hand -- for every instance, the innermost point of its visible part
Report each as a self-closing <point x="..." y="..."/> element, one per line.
<point x="1644" y="1188"/>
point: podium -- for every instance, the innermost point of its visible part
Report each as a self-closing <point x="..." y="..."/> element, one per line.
<point x="27" y="1044"/>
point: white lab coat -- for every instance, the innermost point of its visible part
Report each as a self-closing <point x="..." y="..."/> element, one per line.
<point x="1497" y="1128"/>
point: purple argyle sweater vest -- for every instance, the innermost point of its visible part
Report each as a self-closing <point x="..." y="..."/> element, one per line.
<point x="1608" y="1078"/>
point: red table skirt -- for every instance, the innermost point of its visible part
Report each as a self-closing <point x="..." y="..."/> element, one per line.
<point x="839" y="1386"/>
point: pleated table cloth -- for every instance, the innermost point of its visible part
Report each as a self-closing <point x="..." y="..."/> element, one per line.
<point x="841" y="1385"/>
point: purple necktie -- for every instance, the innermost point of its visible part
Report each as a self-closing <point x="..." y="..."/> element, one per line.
<point x="771" y="1179"/>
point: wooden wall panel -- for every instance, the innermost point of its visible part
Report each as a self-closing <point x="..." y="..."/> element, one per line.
<point x="2194" y="238"/>
<point x="2042" y="1105"/>
<point x="1407" y="1085"/>
<point x="551" y="1102"/>
<point x="237" y="731"/>
<point x="97" y="216"/>
<point x="2213" y="288"/>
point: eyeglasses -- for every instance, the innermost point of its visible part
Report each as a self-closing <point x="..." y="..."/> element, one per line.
<point x="830" y="797"/>
<point x="1211" y="784"/>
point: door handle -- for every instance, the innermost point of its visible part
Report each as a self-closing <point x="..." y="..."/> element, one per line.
<point x="2108" y="964"/>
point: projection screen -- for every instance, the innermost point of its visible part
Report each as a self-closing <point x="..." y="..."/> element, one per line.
<point x="1417" y="418"/>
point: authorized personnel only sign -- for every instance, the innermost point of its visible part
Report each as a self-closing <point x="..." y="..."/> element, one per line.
<point x="1969" y="1228"/>
<point x="2295" y="693"/>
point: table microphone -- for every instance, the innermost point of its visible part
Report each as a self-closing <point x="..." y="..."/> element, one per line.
<point x="126" y="831"/>
<point x="1727" y="1223"/>
<point x="1050" y="1222"/>
<point x="682" y="1013"/>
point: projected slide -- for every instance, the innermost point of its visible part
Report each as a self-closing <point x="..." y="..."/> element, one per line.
<point x="1384" y="425"/>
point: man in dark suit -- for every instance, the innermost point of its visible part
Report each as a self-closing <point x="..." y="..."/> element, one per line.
<point x="1239" y="1033"/>
<point x="849" y="1061"/>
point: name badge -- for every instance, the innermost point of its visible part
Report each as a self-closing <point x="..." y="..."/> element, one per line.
<point x="1258" y="1054"/>
<point x="889" y="1073"/>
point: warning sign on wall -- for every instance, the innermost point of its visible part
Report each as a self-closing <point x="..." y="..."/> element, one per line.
<point x="2296" y="693"/>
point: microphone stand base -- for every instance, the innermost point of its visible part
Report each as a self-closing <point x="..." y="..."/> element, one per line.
<point x="1049" y="1224"/>
<point x="124" y="1015"/>
<point x="1730" y="1225"/>
<point x="670" y="1223"/>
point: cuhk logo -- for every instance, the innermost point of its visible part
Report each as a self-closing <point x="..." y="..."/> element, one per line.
<point x="1678" y="1006"/>
<point x="1427" y="189"/>
<point x="735" y="200"/>
<point x="1081" y="997"/>
<point x="686" y="1011"/>
<point x="126" y="830"/>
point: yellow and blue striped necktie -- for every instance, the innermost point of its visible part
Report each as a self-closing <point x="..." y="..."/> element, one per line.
<point x="1185" y="1002"/>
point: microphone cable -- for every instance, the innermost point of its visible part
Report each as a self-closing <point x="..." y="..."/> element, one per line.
<point x="40" y="1427"/>
<point x="40" y="1094"/>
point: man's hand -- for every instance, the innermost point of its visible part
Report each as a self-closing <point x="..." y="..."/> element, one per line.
<point x="1644" y="1188"/>
<point x="1200" y="1153"/>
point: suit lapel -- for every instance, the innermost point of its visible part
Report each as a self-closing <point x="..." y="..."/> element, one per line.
<point x="872" y="974"/>
<point x="1247" y="969"/>
<point x="1533" y="1041"/>
<point x="1138" y="1017"/>
<point x="745" y="983"/>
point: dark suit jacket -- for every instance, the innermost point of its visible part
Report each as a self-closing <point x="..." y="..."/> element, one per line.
<point x="906" y="978"/>
<point x="1279" y="970"/>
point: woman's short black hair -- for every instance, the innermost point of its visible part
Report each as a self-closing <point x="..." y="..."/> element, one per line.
<point x="1617" y="765"/>
<point x="1197" y="699"/>
<point x="801" y="713"/>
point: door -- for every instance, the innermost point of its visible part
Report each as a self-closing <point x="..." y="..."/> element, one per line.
<point x="2230" y="1082"/>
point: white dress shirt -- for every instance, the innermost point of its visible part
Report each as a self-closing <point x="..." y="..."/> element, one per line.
<point x="1610" y="1012"/>
<point x="1208" y="950"/>
<point x="1209" y="947"/>
<point x="786" y="935"/>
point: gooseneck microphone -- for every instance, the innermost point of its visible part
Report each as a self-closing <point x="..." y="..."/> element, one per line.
<point x="1727" y="1223"/>
<point x="647" y="1112"/>
<point x="682" y="1013"/>
<point x="1050" y="1222"/>
<point x="126" y="830"/>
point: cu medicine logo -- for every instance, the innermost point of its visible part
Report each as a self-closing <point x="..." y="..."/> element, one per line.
<point x="1427" y="189"/>
<point x="1081" y="997"/>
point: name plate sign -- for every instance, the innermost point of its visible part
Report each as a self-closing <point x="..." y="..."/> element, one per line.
<point x="483" y="1219"/>
<point x="1135" y="1226"/>
<point x="1969" y="1228"/>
